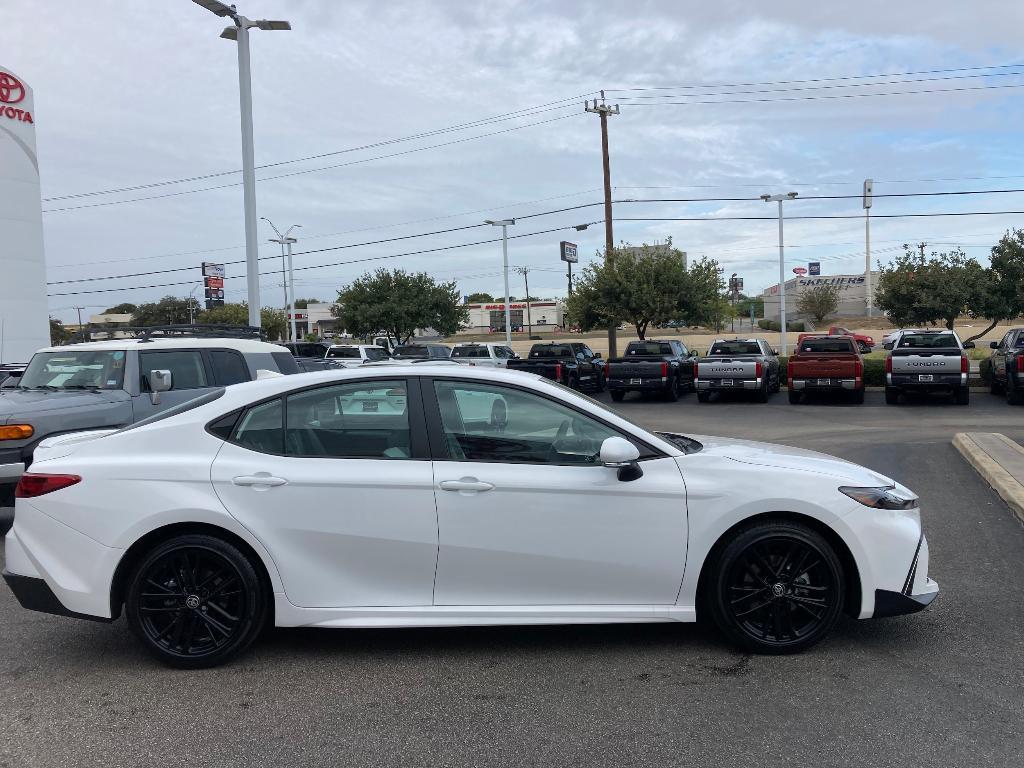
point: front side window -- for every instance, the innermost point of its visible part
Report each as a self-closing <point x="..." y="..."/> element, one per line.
<point x="364" y="420"/>
<point x="186" y="367"/>
<point x="485" y="422"/>
<point x="75" y="369"/>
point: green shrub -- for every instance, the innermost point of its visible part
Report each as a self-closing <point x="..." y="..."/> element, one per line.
<point x="774" y="325"/>
<point x="874" y="373"/>
<point x="985" y="369"/>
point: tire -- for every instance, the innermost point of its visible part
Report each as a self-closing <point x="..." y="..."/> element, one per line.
<point x="574" y="383"/>
<point x="994" y="386"/>
<point x="703" y="397"/>
<point x="962" y="396"/>
<point x="672" y="393"/>
<point x="599" y="386"/>
<point x="864" y="348"/>
<point x="858" y="397"/>
<point x="1014" y="395"/>
<point x="794" y="396"/>
<point x="762" y="393"/>
<point x="618" y="394"/>
<point x="792" y="609"/>
<point x="892" y="396"/>
<point x="176" y="625"/>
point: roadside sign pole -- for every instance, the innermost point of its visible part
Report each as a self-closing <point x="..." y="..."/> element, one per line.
<point x="867" y="244"/>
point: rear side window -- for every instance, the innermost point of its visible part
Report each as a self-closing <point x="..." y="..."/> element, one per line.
<point x="1020" y="341"/>
<point x="285" y="362"/>
<point x="262" y="428"/>
<point x="229" y="366"/>
<point x="186" y="367"/>
<point x="826" y="345"/>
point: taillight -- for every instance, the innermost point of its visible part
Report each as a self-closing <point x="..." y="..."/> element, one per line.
<point x="965" y="367"/>
<point x="758" y="369"/>
<point x="1020" y="363"/>
<point x="858" y="368"/>
<point x="789" y="369"/>
<point x="664" y="370"/>
<point x="696" y="369"/>
<point x="558" y="372"/>
<point x="36" y="484"/>
<point x="607" y="370"/>
<point x="888" y="365"/>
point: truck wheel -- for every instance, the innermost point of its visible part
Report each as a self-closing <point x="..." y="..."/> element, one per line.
<point x="672" y="393"/>
<point x="762" y="393"/>
<point x="702" y="397"/>
<point x="858" y="397"/>
<point x="794" y="396"/>
<point x="963" y="395"/>
<point x="892" y="396"/>
<point x="574" y="383"/>
<point x="1014" y="396"/>
<point x="599" y="387"/>
<point x="618" y="394"/>
<point x="994" y="386"/>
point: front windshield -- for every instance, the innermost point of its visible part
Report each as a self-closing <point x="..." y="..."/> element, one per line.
<point x="75" y="369"/>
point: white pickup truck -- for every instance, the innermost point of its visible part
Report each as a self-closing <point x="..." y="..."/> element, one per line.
<point x="927" y="362"/>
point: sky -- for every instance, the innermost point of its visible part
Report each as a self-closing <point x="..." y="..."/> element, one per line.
<point x="145" y="96"/>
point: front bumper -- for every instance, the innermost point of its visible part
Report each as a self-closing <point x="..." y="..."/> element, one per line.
<point x="918" y="590"/>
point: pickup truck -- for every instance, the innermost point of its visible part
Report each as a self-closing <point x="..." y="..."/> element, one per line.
<point x="829" y="364"/>
<point x="488" y="355"/>
<point x="356" y="353"/>
<point x="664" y="367"/>
<point x="1008" y="366"/>
<point x="573" y="364"/>
<point x="111" y="384"/>
<point x="926" y="362"/>
<point x="749" y="365"/>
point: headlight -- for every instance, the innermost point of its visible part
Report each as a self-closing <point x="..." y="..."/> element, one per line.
<point x="879" y="498"/>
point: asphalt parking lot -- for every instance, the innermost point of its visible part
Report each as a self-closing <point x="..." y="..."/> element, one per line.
<point x="941" y="688"/>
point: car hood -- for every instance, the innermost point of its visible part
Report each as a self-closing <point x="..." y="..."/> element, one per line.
<point x="787" y="457"/>
<point x="26" y="403"/>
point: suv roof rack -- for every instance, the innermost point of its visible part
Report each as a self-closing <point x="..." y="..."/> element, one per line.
<point x="92" y="332"/>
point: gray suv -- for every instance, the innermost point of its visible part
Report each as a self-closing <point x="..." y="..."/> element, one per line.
<point x="110" y="384"/>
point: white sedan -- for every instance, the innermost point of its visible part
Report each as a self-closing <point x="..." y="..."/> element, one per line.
<point x="433" y="495"/>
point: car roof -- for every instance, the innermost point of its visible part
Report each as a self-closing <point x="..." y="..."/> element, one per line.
<point x="242" y="345"/>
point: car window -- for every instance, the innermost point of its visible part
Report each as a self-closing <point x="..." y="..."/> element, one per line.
<point x="1020" y="341"/>
<point x="185" y="365"/>
<point x="505" y="353"/>
<point x="229" y="366"/>
<point x="486" y="422"/>
<point x="827" y="345"/>
<point x="375" y="353"/>
<point x="412" y="351"/>
<point x="74" y="369"/>
<point x="355" y="421"/>
<point x="470" y="352"/>
<point x="261" y="428"/>
<point x="648" y="348"/>
<point x="440" y="352"/>
<point x="928" y="341"/>
<point x="343" y="352"/>
<point x="552" y="350"/>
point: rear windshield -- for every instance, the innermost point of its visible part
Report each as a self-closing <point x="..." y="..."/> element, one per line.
<point x="344" y="352"/>
<point x="826" y="345"/>
<point x="554" y="350"/>
<point x="735" y="348"/>
<point x="928" y="341"/>
<point x="376" y="353"/>
<point x="470" y="352"/>
<point x="648" y="348"/>
<point x="411" y="350"/>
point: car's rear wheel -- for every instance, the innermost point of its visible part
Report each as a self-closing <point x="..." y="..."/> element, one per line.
<point x="892" y="396"/>
<point x="858" y="397"/>
<point x="196" y="601"/>
<point x="962" y="396"/>
<point x="703" y="397"/>
<point x="672" y="393"/>
<point x="1014" y="395"/>
<point x="794" y="396"/>
<point x="777" y="587"/>
<point x="618" y="394"/>
<point x="761" y="396"/>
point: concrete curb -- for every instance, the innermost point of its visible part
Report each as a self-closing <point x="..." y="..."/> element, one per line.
<point x="1008" y="487"/>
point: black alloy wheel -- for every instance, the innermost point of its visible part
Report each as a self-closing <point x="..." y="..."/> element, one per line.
<point x="777" y="588"/>
<point x="195" y="601"/>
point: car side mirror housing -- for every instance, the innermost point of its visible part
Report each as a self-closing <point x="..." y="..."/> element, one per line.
<point x="887" y="345"/>
<point x="993" y="345"/>
<point x="775" y="351"/>
<point x="968" y="345"/>
<point x="159" y="381"/>
<point x="618" y="453"/>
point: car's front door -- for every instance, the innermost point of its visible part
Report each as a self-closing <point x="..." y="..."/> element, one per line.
<point x="336" y="482"/>
<point x="527" y="515"/>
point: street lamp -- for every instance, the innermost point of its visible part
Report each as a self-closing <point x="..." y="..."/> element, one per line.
<point x="240" y="33"/>
<point x="287" y="275"/>
<point x="505" y="224"/>
<point x="782" y="264"/>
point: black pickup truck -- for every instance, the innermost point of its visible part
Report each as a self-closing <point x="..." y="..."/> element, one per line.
<point x="573" y="364"/>
<point x="653" y="365"/>
<point x="1008" y="366"/>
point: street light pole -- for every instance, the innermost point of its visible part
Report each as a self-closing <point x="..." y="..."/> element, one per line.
<point x="782" y="265"/>
<point x="868" y="184"/>
<point x="504" y="224"/>
<point x="288" y="283"/>
<point x="240" y="33"/>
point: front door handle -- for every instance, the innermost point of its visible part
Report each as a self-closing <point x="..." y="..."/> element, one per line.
<point x="465" y="485"/>
<point x="261" y="481"/>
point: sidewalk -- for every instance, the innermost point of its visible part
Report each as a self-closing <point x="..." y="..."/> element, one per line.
<point x="1000" y="461"/>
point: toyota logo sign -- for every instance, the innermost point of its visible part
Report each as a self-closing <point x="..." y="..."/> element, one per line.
<point x="11" y="89"/>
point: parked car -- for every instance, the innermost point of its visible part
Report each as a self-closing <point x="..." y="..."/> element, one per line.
<point x="487" y="354"/>
<point x="423" y="352"/>
<point x="583" y="517"/>
<point x="890" y="337"/>
<point x="748" y="365"/>
<point x="661" y="366"/>
<point x="826" y="364"/>
<point x="356" y="353"/>
<point x="10" y="373"/>
<point x="864" y="342"/>
<point x="927" y="362"/>
<point x="110" y="384"/>
<point x="573" y="364"/>
<point x="1007" y="360"/>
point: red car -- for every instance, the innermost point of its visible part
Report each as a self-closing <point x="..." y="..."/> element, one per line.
<point x="863" y="341"/>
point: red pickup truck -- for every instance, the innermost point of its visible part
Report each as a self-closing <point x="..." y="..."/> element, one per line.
<point x="826" y="364"/>
<point x="864" y="342"/>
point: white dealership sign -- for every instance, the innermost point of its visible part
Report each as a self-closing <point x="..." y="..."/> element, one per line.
<point x="24" y="323"/>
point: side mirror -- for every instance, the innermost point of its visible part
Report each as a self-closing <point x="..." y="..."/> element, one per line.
<point x="618" y="453"/>
<point x="887" y="345"/>
<point x="159" y="381"/>
<point x="993" y="345"/>
<point x="968" y="345"/>
<point x="775" y="352"/>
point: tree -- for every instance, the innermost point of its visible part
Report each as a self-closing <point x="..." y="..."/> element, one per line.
<point x="919" y="290"/>
<point x="58" y="333"/>
<point x="479" y="298"/>
<point x="818" y="302"/>
<point x="304" y="303"/>
<point x="399" y="302"/>
<point x="272" y="321"/>
<point x="652" y="286"/>
<point x="127" y="308"/>
<point x="170" y="310"/>
<point x="1001" y="296"/>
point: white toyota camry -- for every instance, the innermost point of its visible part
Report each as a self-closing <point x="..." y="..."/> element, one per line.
<point x="430" y="495"/>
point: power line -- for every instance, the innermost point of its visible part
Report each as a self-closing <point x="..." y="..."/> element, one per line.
<point x="825" y="217"/>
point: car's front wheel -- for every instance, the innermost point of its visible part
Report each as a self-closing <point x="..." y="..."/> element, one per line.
<point x="776" y="587"/>
<point x="195" y="601"/>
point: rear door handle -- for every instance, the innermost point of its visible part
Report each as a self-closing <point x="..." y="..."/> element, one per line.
<point x="465" y="485"/>
<point x="260" y="481"/>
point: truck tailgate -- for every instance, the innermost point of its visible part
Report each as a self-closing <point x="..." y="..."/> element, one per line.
<point x="724" y="368"/>
<point x="939" y="362"/>
<point x="823" y="367"/>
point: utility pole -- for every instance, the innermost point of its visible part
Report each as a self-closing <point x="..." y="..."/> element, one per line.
<point x="921" y="247"/>
<point x="287" y="283"/>
<point x="602" y="110"/>
<point x="867" y="244"/>
<point x="782" y="264"/>
<point x="505" y="224"/>
<point x="79" y="317"/>
<point x="525" y="271"/>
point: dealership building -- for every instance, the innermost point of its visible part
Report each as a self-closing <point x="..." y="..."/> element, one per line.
<point x="853" y="301"/>
<point x="490" y="317"/>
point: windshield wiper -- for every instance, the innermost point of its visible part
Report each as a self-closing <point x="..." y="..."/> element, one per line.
<point x="90" y="387"/>
<point x="40" y="387"/>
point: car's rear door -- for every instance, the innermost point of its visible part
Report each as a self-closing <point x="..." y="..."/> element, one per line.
<point x="336" y="482"/>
